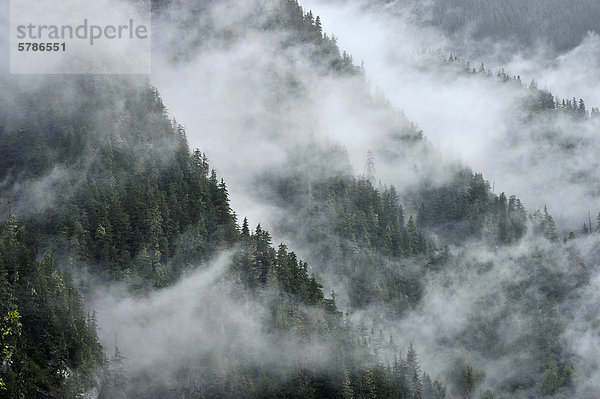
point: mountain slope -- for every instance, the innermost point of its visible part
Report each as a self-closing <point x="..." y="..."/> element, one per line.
<point x="104" y="186"/>
<point x="143" y="210"/>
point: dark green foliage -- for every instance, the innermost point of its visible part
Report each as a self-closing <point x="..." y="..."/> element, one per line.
<point x="305" y="28"/>
<point x="144" y="215"/>
<point x="131" y="192"/>
<point x="340" y="380"/>
<point x="543" y="224"/>
<point x="259" y="265"/>
<point x="53" y="346"/>
<point x="132" y="203"/>
<point x="354" y="231"/>
<point x="464" y="377"/>
<point x="465" y="207"/>
<point x="10" y="331"/>
<point x="364" y="215"/>
<point x="413" y="373"/>
<point x="433" y="390"/>
<point x="554" y="377"/>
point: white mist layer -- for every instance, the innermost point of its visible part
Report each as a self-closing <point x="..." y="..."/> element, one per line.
<point x="477" y="118"/>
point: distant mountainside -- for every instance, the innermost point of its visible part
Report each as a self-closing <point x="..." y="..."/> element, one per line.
<point x="132" y="204"/>
<point x="103" y="183"/>
<point x="559" y="24"/>
<point x="103" y="202"/>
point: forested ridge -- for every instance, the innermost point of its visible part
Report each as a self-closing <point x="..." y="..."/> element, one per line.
<point x="363" y="237"/>
<point x="538" y="100"/>
<point x="99" y="186"/>
<point x="560" y="125"/>
<point x="144" y="214"/>
<point x="525" y="22"/>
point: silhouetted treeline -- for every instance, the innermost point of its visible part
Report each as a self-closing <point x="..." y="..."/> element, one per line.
<point x="539" y="101"/>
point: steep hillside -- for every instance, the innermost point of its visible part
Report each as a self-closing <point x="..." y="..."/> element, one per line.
<point x="125" y="272"/>
<point x="130" y="203"/>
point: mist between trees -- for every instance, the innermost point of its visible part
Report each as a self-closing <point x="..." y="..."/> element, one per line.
<point x="138" y="271"/>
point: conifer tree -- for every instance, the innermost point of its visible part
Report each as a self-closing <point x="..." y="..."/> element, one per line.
<point x="245" y="229"/>
<point x="369" y="170"/>
<point x="414" y="373"/>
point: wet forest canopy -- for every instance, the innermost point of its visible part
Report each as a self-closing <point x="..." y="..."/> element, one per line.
<point x="129" y="201"/>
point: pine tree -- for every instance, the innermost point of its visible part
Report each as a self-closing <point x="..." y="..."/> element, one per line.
<point x="414" y="238"/>
<point x="245" y="229"/>
<point x="581" y="110"/>
<point x="370" y="390"/>
<point x="469" y="381"/>
<point x="439" y="390"/>
<point x="544" y="224"/>
<point x="533" y="85"/>
<point x="318" y="27"/>
<point x="428" y="392"/>
<point x="369" y="170"/>
<point x="414" y="373"/>
<point x="347" y="391"/>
